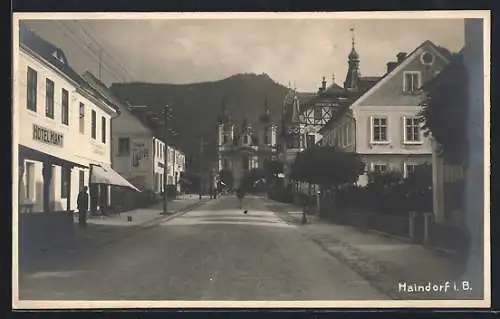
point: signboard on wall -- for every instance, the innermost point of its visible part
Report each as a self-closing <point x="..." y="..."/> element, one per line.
<point x="140" y="152"/>
<point x="47" y="136"/>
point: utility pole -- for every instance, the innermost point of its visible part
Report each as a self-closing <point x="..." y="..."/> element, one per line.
<point x="165" y="159"/>
<point x="201" y="165"/>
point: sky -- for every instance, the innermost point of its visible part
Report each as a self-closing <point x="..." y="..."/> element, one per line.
<point x="299" y="51"/>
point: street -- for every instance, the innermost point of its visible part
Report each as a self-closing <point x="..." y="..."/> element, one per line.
<point x="212" y="253"/>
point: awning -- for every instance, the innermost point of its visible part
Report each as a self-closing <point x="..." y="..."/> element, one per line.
<point x="106" y="175"/>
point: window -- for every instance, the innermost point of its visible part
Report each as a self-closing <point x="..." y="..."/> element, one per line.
<point x="408" y="170"/>
<point x="123" y="146"/>
<point x="31" y="89"/>
<point x="82" y="118"/>
<point x="29" y="179"/>
<point x="379" y="168"/>
<point x="411" y="81"/>
<point x="103" y="129"/>
<point x="160" y="187"/>
<point x="318" y="114"/>
<point x="65" y="107"/>
<point x="81" y="179"/>
<point x="412" y="130"/>
<point x="49" y="98"/>
<point x="266" y="139"/>
<point x="65" y="174"/>
<point x="94" y="125"/>
<point x="245" y="139"/>
<point x="224" y="139"/>
<point x="379" y="129"/>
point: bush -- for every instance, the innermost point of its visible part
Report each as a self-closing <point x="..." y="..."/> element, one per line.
<point x="146" y="199"/>
<point x="171" y="191"/>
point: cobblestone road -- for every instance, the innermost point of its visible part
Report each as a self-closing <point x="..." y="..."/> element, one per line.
<point x="213" y="253"/>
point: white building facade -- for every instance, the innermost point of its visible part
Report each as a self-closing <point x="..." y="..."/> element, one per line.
<point x="382" y="124"/>
<point x="63" y="128"/>
<point x="139" y="155"/>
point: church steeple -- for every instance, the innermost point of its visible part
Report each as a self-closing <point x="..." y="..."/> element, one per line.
<point x="351" y="81"/>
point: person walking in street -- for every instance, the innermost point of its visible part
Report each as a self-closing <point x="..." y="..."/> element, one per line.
<point x="83" y="206"/>
<point x="240" y="194"/>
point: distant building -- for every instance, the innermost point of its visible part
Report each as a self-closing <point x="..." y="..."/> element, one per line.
<point x="245" y="146"/>
<point x="139" y="151"/>
<point x="381" y="122"/>
<point x="306" y="115"/>
<point x="64" y="131"/>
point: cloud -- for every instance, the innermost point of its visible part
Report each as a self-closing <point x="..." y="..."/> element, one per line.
<point x="186" y="51"/>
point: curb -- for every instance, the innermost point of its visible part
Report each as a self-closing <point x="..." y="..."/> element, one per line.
<point x="369" y="277"/>
<point x="149" y="224"/>
<point x="131" y="231"/>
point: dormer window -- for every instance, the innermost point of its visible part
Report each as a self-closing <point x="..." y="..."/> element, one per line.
<point x="58" y="55"/>
<point x="411" y="81"/>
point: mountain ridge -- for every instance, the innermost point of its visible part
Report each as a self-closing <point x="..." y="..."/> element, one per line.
<point x="196" y="106"/>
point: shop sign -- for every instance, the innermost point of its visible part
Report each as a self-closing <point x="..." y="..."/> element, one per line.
<point x="45" y="135"/>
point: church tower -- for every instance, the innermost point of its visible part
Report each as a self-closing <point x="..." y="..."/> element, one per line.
<point x="353" y="73"/>
<point x="225" y="135"/>
<point x="225" y="127"/>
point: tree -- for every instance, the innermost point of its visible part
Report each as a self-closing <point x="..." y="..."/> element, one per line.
<point x="444" y="111"/>
<point x="327" y="166"/>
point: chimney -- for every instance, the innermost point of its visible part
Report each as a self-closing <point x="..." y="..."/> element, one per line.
<point x="391" y="66"/>
<point x="401" y="56"/>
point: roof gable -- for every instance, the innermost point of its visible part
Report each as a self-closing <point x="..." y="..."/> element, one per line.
<point x="414" y="57"/>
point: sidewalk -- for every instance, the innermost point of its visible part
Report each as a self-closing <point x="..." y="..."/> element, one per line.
<point x="388" y="263"/>
<point x="101" y="231"/>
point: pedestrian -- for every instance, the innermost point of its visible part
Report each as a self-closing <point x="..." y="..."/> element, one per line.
<point x="240" y="194"/>
<point x="83" y="205"/>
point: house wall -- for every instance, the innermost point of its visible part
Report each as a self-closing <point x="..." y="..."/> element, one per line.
<point x="341" y="133"/>
<point x="78" y="147"/>
<point x="388" y="100"/>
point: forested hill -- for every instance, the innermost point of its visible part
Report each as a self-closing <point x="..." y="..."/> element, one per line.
<point x="197" y="106"/>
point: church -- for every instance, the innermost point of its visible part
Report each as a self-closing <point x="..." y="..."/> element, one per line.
<point x="243" y="146"/>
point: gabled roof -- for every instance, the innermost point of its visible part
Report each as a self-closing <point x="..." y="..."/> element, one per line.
<point x="47" y="51"/>
<point x="57" y="59"/>
<point x="101" y="88"/>
<point x="401" y="66"/>
<point x="456" y="62"/>
<point x="371" y="84"/>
